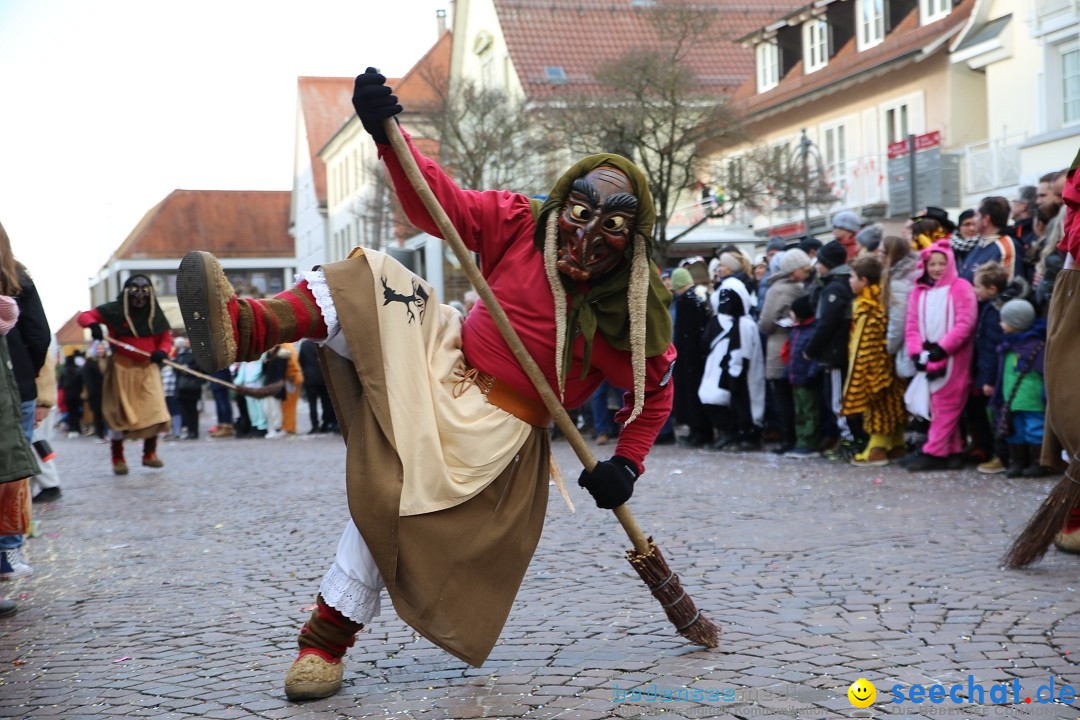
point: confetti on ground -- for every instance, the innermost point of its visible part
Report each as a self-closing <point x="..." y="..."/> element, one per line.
<point x="121" y="659"/>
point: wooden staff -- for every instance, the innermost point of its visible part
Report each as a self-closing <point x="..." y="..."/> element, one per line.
<point x="645" y="557"/>
<point x="178" y="366"/>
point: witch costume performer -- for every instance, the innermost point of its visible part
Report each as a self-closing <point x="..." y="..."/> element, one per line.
<point x="447" y="443"/>
<point x="133" y="396"/>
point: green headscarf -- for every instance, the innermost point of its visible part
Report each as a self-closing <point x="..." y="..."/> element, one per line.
<point x="606" y="306"/>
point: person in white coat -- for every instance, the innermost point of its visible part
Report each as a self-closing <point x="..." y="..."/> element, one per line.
<point x="732" y="387"/>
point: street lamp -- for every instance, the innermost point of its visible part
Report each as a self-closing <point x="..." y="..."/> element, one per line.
<point x="809" y="153"/>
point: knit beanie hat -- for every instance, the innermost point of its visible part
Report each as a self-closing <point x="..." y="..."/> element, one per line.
<point x="832" y="255"/>
<point x="775" y="244"/>
<point x="846" y="220"/>
<point x="802" y="307"/>
<point x="1018" y="314"/>
<point x="792" y="260"/>
<point x="869" y="237"/>
<point x="681" y="278"/>
<point x="730" y="262"/>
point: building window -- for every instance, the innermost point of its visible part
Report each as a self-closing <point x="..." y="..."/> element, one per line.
<point x="768" y="66"/>
<point x="1070" y="85"/>
<point x="933" y="10"/>
<point x="815" y="44"/>
<point x="870" y="19"/>
<point x="896" y="123"/>
<point x="835" y="158"/>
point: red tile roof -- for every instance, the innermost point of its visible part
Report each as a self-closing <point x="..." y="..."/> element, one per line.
<point x="244" y="223"/>
<point x="907" y="40"/>
<point x="326" y="103"/>
<point x="70" y="333"/>
<point x="581" y="35"/>
<point x="415" y="91"/>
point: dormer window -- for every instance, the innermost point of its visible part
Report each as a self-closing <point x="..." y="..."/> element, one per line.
<point x="815" y="44"/>
<point x="870" y="22"/>
<point x="768" y="66"/>
<point x="933" y="10"/>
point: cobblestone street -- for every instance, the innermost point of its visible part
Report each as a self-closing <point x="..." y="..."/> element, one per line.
<point x="177" y="593"/>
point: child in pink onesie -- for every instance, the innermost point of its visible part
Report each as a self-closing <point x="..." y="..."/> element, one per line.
<point x="940" y="326"/>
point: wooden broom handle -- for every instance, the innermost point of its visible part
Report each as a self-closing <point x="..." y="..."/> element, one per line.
<point x="555" y="407"/>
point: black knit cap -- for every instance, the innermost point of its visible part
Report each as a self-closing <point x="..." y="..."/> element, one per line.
<point x="832" y="255"/>
<point x="802" y="307"/>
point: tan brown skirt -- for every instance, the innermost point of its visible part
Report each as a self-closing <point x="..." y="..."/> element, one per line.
<point x="133" y="398"/>
<point x="452" y="574"/>
<point x="1061" y="376"/>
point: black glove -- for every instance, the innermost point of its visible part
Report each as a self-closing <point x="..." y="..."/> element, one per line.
<point x="95" y="331"/>
<point x="611" y="483"/>
<point x="937" y="374"/>
<point x="158" y="356"/>
<point x="919" y="365"/>
<point x="936" y="352"/>
<point x="374" y="101"/>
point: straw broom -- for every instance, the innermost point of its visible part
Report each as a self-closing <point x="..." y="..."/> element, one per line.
<point x="1033" y="542"/>
<point x="645" y="557"/>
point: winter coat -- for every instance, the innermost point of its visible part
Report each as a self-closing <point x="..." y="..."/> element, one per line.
<point x="988" y="336"/>
<point x="999" y="249"/>
<point x="833" y="318"/>
<point x="691" y="316"/>
<point x="800" y="371"/>
<point x="309" y="364"/>
<point x="1013" y="353"/>
<point x="960" y="325"/>
<point x="725" y="366"/>
<point x="782" y="292"/>
<point x="901" y="281"/>
<point x="28" y="341"/>
<point x="188" y="386"/>
<point x="17" y="459"/>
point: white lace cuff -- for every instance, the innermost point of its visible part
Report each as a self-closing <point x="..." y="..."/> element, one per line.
<point x="349" y="596"/>
<point x="316" y="281"/>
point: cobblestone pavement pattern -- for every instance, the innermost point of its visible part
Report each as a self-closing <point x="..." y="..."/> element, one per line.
<point x="177" y="593"/>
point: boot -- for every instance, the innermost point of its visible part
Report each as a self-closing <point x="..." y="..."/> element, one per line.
<point x="149" y="453"/>
<point x="1035" y="468"/>
<point x="224" y="430"/>
<point x="1017" y="460"/>
<point x="223" y="328"/>
<point x="323" y="640"/>
<point x="119" y="466"/>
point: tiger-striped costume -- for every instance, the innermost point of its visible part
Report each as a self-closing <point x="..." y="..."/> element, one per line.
<point x="872" y="387"/>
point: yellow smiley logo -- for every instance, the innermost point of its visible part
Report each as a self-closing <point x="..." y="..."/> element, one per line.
<point x="862" y="693"/>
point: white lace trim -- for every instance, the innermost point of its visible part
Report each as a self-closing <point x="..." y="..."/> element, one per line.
<point x="349" y="596"/>
<point x="316" y="281"/>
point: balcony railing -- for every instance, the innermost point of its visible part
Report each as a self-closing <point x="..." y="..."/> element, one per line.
<point x="991" y="164"/>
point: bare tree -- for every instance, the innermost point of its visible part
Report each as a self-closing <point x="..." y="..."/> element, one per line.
<point x="656" y="111"/>
<point x="485" y="140"/>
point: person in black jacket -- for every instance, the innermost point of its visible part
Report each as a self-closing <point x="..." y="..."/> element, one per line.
<point x="71" y="380"/>
<point x="188" y="389"/>
<point x="315" y="389"/>
<point x="691" y="316"/>
<point x="28" y="344"/>
<point x="829" y="347"/>
<point x="93" y="373"/>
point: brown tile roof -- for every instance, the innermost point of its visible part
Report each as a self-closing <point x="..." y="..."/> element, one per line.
<point x="581" y="35"/>
<point x="244" y="223"/>
<point x="414" y="91"/>
<point x="70" y="333"/>
<point x="906" y="40"/>
<point x="326" y="103"/>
